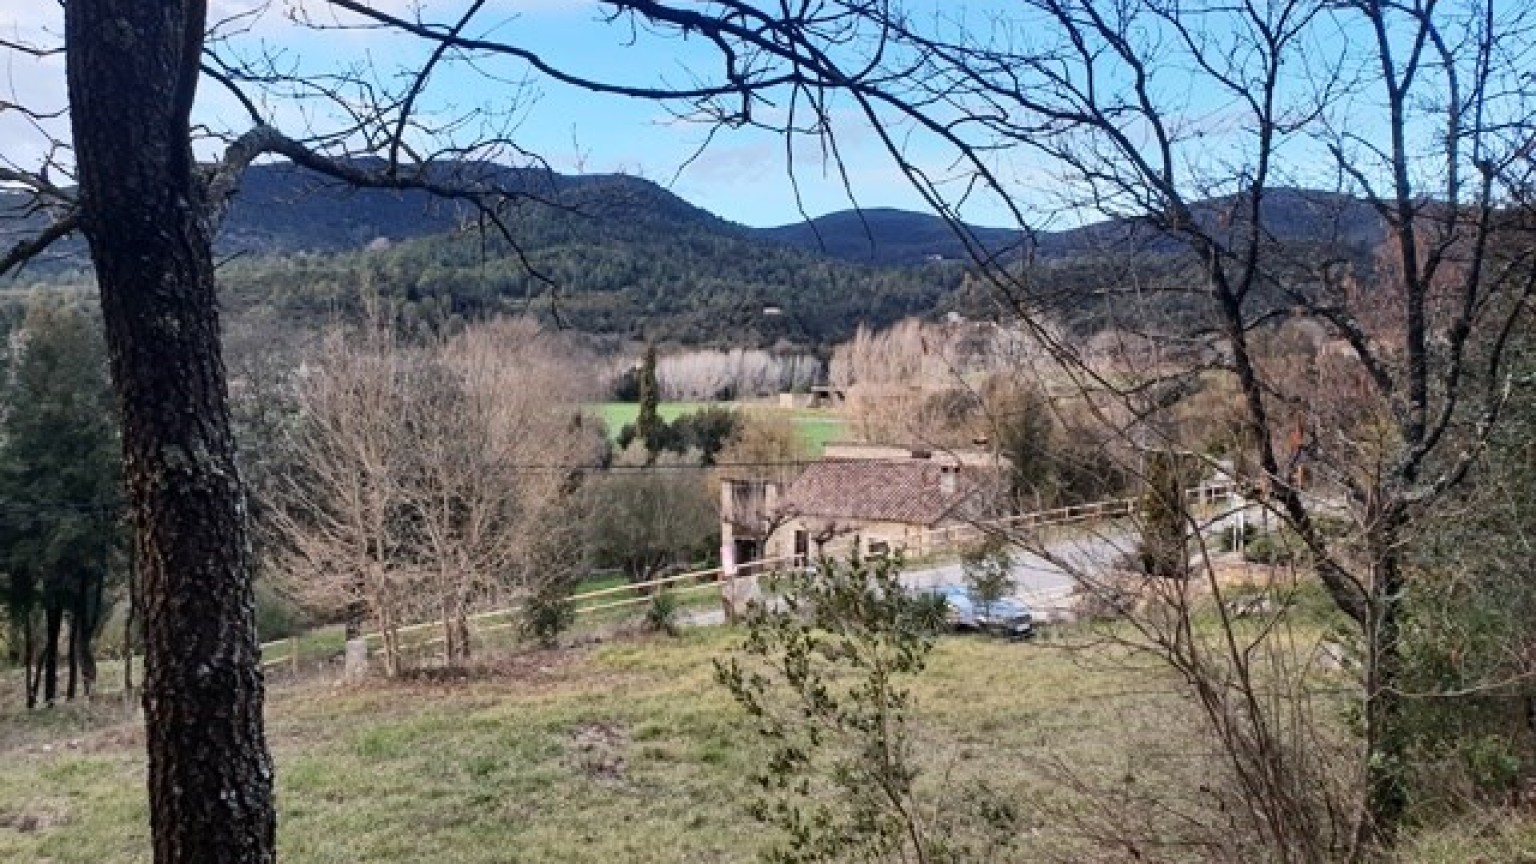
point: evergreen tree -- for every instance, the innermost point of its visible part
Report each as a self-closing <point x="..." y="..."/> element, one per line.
<point x="649" y="426"/>
<point x="60" y="476"/>
<point x="1164" y="532"/>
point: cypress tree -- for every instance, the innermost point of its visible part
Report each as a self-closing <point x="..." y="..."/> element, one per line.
<point x="649" y="425"/>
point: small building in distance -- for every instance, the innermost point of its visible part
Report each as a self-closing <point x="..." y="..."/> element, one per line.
<point x="818" y="397"/>
<point x="875" y="498"/>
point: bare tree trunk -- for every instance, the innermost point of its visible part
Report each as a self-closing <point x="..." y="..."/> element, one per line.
<point x="29" y="652"/>
<point x="461" y="624"/>
<point x="132" y="69"/>
<point x="86" y="617"/>
<point x="74" y="654"/>
<point x="455" y="631"/>
<point x="53" y="619"/>
<point x="1386" y="796"/>
<point x="391" y="649"/>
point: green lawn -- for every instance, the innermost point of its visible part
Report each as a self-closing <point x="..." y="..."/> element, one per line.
<point x="815" y="427"/>
<point x="617" y="415"/>
<point x="818" y="428"/>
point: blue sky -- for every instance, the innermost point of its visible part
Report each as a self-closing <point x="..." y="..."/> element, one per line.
<point x="742" y="176"/>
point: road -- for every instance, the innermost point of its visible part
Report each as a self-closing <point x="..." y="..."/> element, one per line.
<point x="1046" y="587"/>
<point x="1040" y="583"/>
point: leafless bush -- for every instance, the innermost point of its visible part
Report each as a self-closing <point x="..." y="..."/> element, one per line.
<point x="428" y="476"/>
<point x="1276" y="770"/>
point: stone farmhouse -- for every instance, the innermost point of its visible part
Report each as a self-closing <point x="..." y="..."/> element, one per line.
<point x="873" y="498"/>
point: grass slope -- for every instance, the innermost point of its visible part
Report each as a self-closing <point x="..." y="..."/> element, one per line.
<point x="625" y="752"/>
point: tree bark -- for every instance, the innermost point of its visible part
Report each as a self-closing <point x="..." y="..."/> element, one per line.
<point x="29" y="650"/>
<point x="74" y="654"/>
<point x="53" y="620"/>
<point x="1386" y="754"/>
<point x="132" y="68"/>
<point x="455" y="631"/>
<point x="129" y="622"/>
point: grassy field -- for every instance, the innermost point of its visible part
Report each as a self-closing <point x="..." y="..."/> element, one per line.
<point x="617" y="415"/>
<point x="815" y="427"/>
<point x="818" y="428"/>
<point x="626" y="752"/>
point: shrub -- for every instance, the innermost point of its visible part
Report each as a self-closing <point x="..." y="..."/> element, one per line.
<point x="663" y="612"/>
<point x="547" y="614"/>
<point x="1493" y="765"/>
<point x="1275" y="548"/>
<point x="988" y="569"/>
<point x="824" y="678"/>
<point x="277" y="617"/>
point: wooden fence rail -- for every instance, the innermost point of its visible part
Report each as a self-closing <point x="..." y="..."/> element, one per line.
<point x="706" y="580"/>
<point x="715" y="578"/>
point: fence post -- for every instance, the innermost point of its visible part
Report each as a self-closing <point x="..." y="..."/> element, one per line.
<point x="354" y="665"/>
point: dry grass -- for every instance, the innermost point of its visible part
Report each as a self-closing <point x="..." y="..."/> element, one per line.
<point x="625" y="752"/>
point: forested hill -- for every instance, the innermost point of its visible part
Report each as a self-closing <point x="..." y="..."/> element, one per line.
<point x="620" y="254"/>
<point x="643" y="277"/>
<point x="614" y="254"/>
<point x="901" y="237"/>
<point x="885" y="236"/>
<point x="281" y="208"/>
<point x="606" y="254"/>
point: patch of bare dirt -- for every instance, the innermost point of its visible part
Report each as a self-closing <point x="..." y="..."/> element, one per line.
<point x="36" y="816"/>
<point x="128" y="736"/>
<point x="597" y="750"/>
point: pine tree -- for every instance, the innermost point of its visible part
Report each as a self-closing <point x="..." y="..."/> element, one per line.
<point x="60" y="476"/>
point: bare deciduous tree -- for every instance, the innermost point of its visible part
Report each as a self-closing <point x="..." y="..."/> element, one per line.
<point x="1416" y="119"/>
<point x="498" y="440"/>
<point x="740" y="373"/>
<point x="1416" y="116"/>
<point x="1135" y="109"/>
<point x="427" y="476"/>
<point x="340" y="541"/>
<point x="149" y="213"/>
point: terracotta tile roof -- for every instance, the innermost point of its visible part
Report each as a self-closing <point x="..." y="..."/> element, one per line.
<point x="871" y="490"/>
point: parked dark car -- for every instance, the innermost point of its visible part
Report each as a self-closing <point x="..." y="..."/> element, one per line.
<point x="1008" y="616"/>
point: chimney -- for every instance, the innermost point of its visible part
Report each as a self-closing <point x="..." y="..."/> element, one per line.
<point x="947" y="479"/>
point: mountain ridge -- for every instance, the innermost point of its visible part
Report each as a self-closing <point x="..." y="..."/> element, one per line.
<point x="281" y="208"/>
<point x="620" y="254"/>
